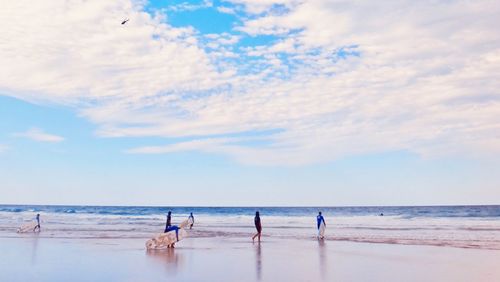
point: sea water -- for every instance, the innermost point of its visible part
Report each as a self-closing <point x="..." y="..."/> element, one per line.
<point x="457" y="226"/>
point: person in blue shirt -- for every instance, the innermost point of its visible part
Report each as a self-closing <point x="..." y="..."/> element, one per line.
<point x="320" y="219"/>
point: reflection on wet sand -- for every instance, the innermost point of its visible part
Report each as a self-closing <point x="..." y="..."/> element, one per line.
<point x="34" y="249"/>
<point x="166" y="257"/>
<point x="258" y="261"/>
<point x="322" y="259"/>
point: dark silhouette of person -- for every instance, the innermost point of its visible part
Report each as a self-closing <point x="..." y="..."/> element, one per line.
<point x="258" y="226"/>
<point x="191" y="219"/>
<point x="169" y="227"/>
<point x="37" y="223"/>
<point x="169" y="220"/>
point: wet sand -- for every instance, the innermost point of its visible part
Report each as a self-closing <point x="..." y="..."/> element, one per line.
<point x="237" y="259"/>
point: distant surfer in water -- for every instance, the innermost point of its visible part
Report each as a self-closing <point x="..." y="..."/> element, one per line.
<point x="191" y="220"/>
<point x="37" y="223"/>
<point x="321" y="220"/>
<point x="258" y="226"/>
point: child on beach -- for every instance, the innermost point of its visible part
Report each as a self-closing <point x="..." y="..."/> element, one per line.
<point x="258" y="226"/>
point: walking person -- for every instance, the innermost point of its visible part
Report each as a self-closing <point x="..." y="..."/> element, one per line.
<point x="258" y="226"/>
<point x="169" y="227"/>
<point x="169" y="220"/>
<point x="321" y="225"/>
<point x="191" y="220"/>
<point x="37" y="223"/>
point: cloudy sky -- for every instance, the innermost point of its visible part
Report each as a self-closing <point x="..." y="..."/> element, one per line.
<point x="239" y="102"/>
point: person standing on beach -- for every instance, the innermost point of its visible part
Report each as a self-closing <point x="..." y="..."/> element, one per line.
<point x="258" y="226"/>
<point x="37" y="223"/>
<point x="169" y="227"/>
<point x="191" y="220"/>
<point x="321" y="229"/>
<point x="169" y="221"/>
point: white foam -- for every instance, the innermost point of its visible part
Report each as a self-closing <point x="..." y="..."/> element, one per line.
<point x="462" y="232"/>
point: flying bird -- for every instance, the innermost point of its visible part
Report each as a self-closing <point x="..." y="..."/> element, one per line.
<point x="125" y="21"/>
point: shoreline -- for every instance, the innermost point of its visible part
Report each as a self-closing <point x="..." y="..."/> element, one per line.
<point x="405" y="242"/>
<point x="461" y="227"/>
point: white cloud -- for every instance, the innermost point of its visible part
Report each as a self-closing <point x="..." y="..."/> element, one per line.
<point x="39" y="135"/>
<point x="261" y="6"/>
<point x="226" y="10"/>
<point x="78" y="53"/>
<point x="424" y="77"/>
<point x="185" y="6"/>
<point x="199" y="145"/>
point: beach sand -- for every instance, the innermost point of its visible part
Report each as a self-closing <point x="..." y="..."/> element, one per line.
<point x="33" y="258"/>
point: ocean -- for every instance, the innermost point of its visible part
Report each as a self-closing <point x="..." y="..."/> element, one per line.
<point x="455" y="226"/>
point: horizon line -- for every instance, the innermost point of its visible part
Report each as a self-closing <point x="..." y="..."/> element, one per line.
<point x="256" y="206"/>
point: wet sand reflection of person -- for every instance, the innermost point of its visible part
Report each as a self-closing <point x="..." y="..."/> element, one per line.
<point x="258" y="262"/>
<point x="167" y="258"/>
<point x="322" y="251"/>
<point x="34" y="249"/>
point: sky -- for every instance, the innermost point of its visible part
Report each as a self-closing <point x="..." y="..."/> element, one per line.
<point x="253" y="103"/>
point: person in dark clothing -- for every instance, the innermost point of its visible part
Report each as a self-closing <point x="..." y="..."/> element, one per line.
<point x="169" y="227"/>
<point x="37" y="223"/>
<point x="169" y="221"/>
<point x="258" y="226"/>
<point x="191" y="220"/>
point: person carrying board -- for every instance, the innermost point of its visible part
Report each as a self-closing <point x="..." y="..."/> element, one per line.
<point x="169" y="227"/>
<point x="37" y="223"/>
<point x="321" y="225"/>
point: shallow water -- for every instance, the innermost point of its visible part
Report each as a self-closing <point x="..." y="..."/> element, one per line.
<point x="457" y="226"/>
